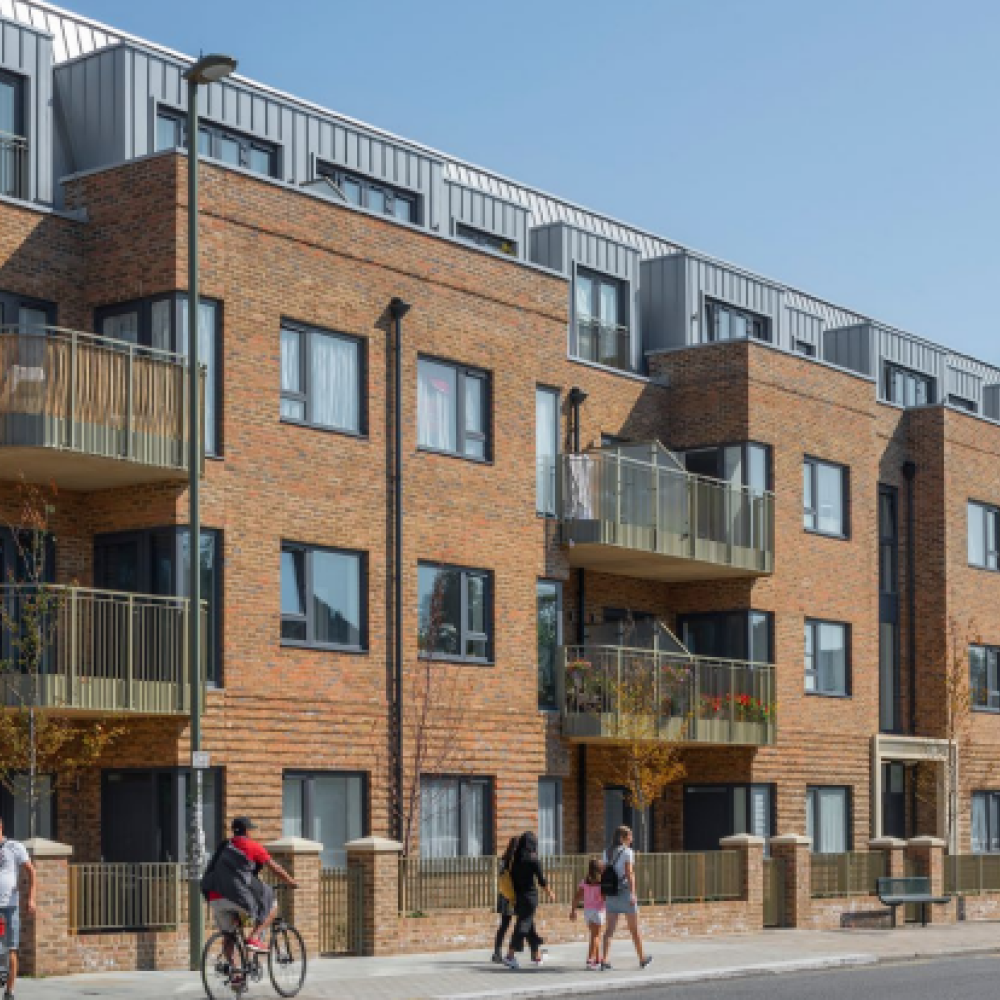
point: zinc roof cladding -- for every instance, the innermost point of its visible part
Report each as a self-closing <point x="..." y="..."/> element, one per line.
<point x="75" y="35"/>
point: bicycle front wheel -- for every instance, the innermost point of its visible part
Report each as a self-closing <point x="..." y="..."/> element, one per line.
<point x="223" y="966"/>
<point x="286" y="961"/>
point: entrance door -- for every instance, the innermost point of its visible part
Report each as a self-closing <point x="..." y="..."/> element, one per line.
<point x="130" y="810"/>
<point x="117" y="565"/>
<point x="894" y="800"/>
<point x="707" y="817"/>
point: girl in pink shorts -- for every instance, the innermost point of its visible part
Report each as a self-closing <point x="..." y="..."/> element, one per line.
<point x="588" y="894"/>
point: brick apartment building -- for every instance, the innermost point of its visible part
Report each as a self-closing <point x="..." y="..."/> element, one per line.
<point x="619" y="458"/>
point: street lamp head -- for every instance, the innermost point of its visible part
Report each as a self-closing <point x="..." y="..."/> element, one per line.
<point x="210" y="69"/>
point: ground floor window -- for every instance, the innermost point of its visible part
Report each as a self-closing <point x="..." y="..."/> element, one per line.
<point x="618" y="812"/>
<point x="454" y="817"/>
<point x="986" y="822"/>
<point x="713" y="812"/>
<point x="15" y="809"/>
<point x="550" y="816"/>
<point x="326" y="807"/>
<point x="828" y="814"/>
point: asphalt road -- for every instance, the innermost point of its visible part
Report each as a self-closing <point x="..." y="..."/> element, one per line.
<point x="951" y="979"/>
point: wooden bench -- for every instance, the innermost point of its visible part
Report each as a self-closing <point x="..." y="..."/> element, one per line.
<point x="893" y="892"/>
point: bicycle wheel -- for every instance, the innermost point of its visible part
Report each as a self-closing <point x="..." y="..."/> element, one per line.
<point x="286" y="961"/>
<point x="224" y="976"/>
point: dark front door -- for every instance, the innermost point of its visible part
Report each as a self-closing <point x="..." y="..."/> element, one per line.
<point x="117" y="565"/>
<point x="707" y="817"/>
<point x="130" y="811"/>
<point x="894" y="801"/>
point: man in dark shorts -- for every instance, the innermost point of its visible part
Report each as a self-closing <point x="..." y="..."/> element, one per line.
<point x="232" y="886"/>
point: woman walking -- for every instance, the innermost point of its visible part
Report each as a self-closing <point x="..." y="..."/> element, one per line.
<point x="621" y="858"/>
<point x="526" y="873"/>
<point x="505" y="905"/>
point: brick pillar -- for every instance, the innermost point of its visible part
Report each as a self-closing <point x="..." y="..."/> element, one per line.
<point x="928" y="854"/>
<point x="752" y="890"/>
<point x="795" y="852"/>
<point x="895" y="855"/>
<point x="378" y="860"/>
<point x="45" y="936"/>
<point x="300" y="858"/>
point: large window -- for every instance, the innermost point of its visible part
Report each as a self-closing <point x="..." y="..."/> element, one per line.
<point x="377" y="196"/>
<point x="729" y="635"/>
<point x="726" y="322"/>
<point x="984" y="531"/>
<point x="907" y="388"/>
<point x="218" y="142"/>
<point x="888" y="629"/>
<point x="985" y="822"/>
<point x="482" y="238"/>
<point x="456" y="612"/>
<point x="322" y="379"/>
<point x="712" y="812"/>
<point x="453" y="409"/>
<point x="983" y="680"/>
<point x="15" y="809"/>
<point x="550" y="816"/>
<point x="825" y="497"/>
<point x="546" y="449"/>
<point x="828" y="812"/>
<point x="602" y="326"/>
<point x="13" y="150"/>
<point x="549" y="610"/>
<point x="162" y="324"/>
<point x="326" y="807"/>
<point x="455" y="817"/>
<point x="323" y="597"/>
<point x="827" y="657"/>
<point x="26" y="313"/>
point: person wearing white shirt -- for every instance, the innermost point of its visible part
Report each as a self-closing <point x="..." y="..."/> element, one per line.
<point x="13" y="857"/>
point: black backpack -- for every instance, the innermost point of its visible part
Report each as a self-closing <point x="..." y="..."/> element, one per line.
<point x="610" y="882"/>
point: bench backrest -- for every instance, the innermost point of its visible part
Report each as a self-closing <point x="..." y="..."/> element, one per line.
<point x="912" y="886"/>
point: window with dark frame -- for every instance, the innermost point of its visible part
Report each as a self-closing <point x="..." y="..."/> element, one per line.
<point x="806" y="348"/>
<point x="550" y="816"/>
<point x="888" y="575"/>
<point x="984" y="684"/>
<point x="322" y="379"/>
<point x="482" y="238"/>
<point x="27" y="314"/>
<point x="546" y="449"/>
<point x="219" y="142"/>
<point x="453" y="409"/>
<point x="961" y="403"/>
<point x="602" y="319"/>
<point x="329" y="807"/>
<point x="456" y="612"/>
<point x="375" y="195"/>
<point x="984" y="535"/>
<point x="13" y="150"/>
<point x="828" y="819"/>
<point x="729" y="635"/>
<point x="549" y="624"/>
<point x="825" y="497"/>
<point x="728" y="322"/>
<point x="323" y="597"/>
<point x="455" y="817"/>
<point x="986" y="822"/>
<point x="906" y="387"/>
<point x="827" y="657"/>
<point x="15" y="809"/>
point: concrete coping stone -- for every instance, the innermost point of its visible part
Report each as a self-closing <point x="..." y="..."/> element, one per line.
<point x="791" y="840"/>
<point x="927" y="842"/>
<point x="374" y="845"/>
<point x="886" y="844"/>
<point x="39" y="847"/>
<point x="294" y="845"/>
<point x="741" y="840"/>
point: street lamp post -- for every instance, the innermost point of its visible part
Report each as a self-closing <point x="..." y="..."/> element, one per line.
<point x="208" y="69"/>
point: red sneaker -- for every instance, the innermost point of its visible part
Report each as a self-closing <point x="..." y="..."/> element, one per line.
<point x="255" y="944"/>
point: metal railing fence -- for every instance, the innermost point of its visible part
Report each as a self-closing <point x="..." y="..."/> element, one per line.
<point x="852" y="873"/>
<point x="13" y="166"/>
<point x="612" y="499"/>
<point x="971" y="874"/>
<point x="341" y="914"/>
<point x="118" y="897"/>
<point x="604" y="343"/>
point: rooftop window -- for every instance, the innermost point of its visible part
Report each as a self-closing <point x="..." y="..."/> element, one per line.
<point x="219" y="143"/>
<point x="726" y="322"/>
<point x="482" y="238"/>
<point x="602" y="328"/>
<point x="907" y="388"/>
<point x="13" y="144"/>
<point x="376" y="196"/>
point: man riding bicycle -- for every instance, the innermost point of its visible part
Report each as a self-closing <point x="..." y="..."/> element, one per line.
<point x="232" y="886"/>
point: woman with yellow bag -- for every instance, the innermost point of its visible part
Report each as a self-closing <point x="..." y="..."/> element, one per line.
<point x="505" y="898"/>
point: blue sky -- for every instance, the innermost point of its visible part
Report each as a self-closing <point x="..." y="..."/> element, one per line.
<point x="847" y="147"/>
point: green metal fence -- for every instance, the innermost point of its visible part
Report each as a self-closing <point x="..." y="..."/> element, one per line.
<point x="340" y="911"/>
<point x="971" y="874"/>
<point x="852" y="873"/>
<point x="119" y="897"/>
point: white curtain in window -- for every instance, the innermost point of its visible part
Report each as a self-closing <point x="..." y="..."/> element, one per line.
<point x="334" y="383"/>
<point x="291" y="807"/>
<point x="437" y="407"/>
<point x="833" y="820"/>
<point x="439" y="816"/>
<point x="546" y="446"/>
<point x="548" y="817"/>
<point x="581" y="490"/>
<point x="473" y="803"/>
<point x="979" y="827"/>
<point x="336" y="815"/>
<point x="291" y="361"/>
<point x="760" y="812"/>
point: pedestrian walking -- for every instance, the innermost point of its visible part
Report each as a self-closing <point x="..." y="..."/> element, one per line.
<point x="13" y="857"/>
<point x="588" y="895"/>
<point x="618" y="888"/>
<point x="506" y="897"/>
<point x="527" y="875"/>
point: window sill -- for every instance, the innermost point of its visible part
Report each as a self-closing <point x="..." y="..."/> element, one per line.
<point x="305" y="425"/>
<point x="471" y="661"/>
<point x="453" y="454"/>
<point x="984" y="569"/>
<point x="828" y="694"/>
<point x="983" y="710"/>
<point x="324" y="647"/>
<point x="836" y="536"/>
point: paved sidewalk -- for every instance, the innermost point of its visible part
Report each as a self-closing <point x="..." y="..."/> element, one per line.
<point x="465" y="975"/>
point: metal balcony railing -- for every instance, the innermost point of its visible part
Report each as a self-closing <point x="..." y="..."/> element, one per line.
<point x="609" y="500"/>
<point x="618" y="693"/>
<point x="102" y="651"/>
<point x="95" y="396"/>
<point x="13" y="166"/>
<point x="604" y="343"/>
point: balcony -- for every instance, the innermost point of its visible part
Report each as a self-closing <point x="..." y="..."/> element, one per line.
<point x="13" y="166"/>
<point x="618" y="694"/>
<point x="604" y="343"/>
<point x="105" y="652"/>
<point x="89" y="412"/>
<point x="648" y="517"/>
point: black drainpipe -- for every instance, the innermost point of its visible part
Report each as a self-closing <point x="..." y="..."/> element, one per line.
<point x="909" y="473"/>
<point x="398" y="309"/>
<point x="577" y="397"/>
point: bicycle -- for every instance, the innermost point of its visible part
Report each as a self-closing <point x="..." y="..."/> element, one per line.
<point x="225" y="978"/>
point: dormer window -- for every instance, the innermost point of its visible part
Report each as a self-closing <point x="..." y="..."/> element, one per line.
<point x="907" y="388"/>
<point x="13" y="144"/>
<point x="376" y="196"/>
<point x="602" y="331"/>
<point x="726" y="322"/>
<point x="219" y="143"/>
<point x="482" y="238"/>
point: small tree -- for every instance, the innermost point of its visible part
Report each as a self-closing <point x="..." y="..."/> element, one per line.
<point x="35" y="738"/>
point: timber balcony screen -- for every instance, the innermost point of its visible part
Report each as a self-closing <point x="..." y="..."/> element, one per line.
<point x="620" y="694"/>
<point x="653" y="519"/>
<point x="103" y="652"/>
<point x="88" y="412"/>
